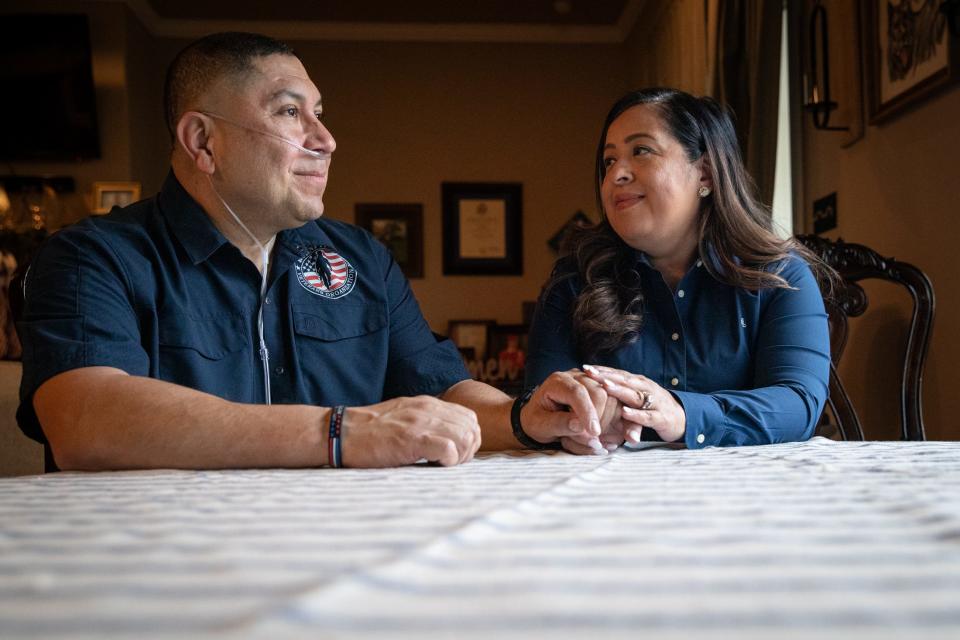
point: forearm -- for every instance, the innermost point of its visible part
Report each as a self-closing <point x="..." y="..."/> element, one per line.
<point x="104" y="419"/>
<point x="780" y="413"/>
<point x="492" y="407"/>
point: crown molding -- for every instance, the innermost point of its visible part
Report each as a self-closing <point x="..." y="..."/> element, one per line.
<point x="396" y="32"/>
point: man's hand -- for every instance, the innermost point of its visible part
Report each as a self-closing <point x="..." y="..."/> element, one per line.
<point x="644" y="404"/>
<point x="574" y="408"/>
<point x="404" y="430"/>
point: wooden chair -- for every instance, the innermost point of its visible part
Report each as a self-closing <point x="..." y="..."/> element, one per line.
<point x="855" y="262"/>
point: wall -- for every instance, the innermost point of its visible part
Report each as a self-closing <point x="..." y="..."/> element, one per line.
<point x="668" y="46"/>
<point x="896" y="193"/>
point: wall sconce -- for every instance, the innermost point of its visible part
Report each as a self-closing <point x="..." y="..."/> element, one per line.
<point x="816" y="82"/>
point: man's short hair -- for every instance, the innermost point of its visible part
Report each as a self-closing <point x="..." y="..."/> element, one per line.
<point x="204" y="62"/>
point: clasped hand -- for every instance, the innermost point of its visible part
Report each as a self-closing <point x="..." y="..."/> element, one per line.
<point x="596" y="409"/>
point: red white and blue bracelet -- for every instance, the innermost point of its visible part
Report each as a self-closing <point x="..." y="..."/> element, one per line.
<point x="334" y="454"/>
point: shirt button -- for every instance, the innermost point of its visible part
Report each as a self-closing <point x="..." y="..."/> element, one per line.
<point x="675" y="337"/>
<point x="699" y="263"/>
<point x="701" y="438"/>
<point x="279" y="371"/>
<point x="674" y="381"/>
<point x="680" y="293"/>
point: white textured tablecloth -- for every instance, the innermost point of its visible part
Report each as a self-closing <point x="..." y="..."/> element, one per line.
<point x="819" y="539"/>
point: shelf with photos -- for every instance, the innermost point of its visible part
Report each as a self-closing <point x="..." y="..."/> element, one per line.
<point x="493" y="353"/>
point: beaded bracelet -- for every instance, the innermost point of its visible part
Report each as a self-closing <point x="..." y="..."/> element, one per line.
<point x="334" y="455"/>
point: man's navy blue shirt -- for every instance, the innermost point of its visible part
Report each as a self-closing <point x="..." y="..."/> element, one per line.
<point x="156" y="290"/>
<point x="748" y="367"/>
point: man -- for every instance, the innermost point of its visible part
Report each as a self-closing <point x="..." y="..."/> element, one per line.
<point x="224" y="323"/>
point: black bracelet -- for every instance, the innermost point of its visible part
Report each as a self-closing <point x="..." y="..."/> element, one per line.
<point x="518" y="431"/>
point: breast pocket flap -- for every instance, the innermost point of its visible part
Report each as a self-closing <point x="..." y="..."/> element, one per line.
<point x="212" y="339"/>
<point x="339" y="321"/>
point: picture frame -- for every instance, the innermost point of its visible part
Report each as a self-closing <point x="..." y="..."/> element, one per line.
<point x="508" y="348"/>
<point x="482" y="228"/>
<point x="901" y="73"/>
<point x="577" y="221"/>
<point x="107" y="195"/>
<point x="471" y="337"/>
<point x="400" y="228"/>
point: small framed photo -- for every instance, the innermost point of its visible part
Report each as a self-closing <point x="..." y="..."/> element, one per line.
<point x="107" y="195"/>
<point x="482" y="228"/>
<point x="400" y="228"/>
<point x="508" y="346"/>
<point x="910" y="54"/>
<point x="471" y="337"/>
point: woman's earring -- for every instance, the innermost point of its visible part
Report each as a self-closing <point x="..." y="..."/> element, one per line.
<point x="703" y="192"/>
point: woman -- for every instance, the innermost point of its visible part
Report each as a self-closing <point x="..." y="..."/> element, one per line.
<point x="704" y="325"/>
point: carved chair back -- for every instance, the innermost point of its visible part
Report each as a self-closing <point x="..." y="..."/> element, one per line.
<point x="855" y="262"/>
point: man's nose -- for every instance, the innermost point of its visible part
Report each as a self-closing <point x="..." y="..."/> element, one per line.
<point x="320" y="138"/>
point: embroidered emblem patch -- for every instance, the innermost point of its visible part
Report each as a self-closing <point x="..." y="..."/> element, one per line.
<point x="326" y="273"/>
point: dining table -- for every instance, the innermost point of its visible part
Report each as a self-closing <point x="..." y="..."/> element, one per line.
<point x="816" y="539"/>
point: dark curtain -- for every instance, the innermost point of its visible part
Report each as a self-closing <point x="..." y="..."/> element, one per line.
<point x="747" y="78"/>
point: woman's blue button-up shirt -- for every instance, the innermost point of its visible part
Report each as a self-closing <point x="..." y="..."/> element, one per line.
<point x="749" y="367"/>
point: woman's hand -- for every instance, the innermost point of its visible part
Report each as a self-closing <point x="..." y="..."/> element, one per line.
<point x="576" y="409"/>
<point x="644" y="403"/>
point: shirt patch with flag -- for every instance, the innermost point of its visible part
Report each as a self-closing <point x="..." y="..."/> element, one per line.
<point x="324" y="272"/>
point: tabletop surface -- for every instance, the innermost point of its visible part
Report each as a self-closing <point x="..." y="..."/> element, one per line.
<point x="817" y="539"/>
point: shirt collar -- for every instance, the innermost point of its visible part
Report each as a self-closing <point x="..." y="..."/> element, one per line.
<point x="200" y="238"/>
<point x="190" y="223"/>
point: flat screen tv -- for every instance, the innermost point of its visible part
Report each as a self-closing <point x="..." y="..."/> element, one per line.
<point x="48" y="108"/>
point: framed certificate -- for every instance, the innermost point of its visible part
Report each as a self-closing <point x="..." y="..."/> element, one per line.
<point x="482" y="228"/>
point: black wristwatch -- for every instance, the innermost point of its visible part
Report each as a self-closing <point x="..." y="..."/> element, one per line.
<point x="518" y="431"/>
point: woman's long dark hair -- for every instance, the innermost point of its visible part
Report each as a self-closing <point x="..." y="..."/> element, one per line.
<point x="735" y="229"/>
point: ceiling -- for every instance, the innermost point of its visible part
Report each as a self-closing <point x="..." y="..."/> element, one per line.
<point x="413" y="20"/>
<point x="578" y="12"/>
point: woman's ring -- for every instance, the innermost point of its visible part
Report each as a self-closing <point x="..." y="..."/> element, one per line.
<point x="647" y="403"/>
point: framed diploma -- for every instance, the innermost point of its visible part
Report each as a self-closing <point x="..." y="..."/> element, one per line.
<point x="482" y="228"/>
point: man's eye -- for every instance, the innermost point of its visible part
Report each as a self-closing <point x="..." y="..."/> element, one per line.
<point x="293" y="112"/>
<point x="319" y="115"/>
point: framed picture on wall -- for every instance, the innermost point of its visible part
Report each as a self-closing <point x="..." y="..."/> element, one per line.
<point x="910" y="54"/>
<point x="400" y="228"/>
<point x="482" y="228"/>
<point x="107" y="195"/>
<point x="471" y="337"/>
<point x="508" y="346"/>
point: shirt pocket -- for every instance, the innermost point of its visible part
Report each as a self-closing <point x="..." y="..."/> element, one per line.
<point x="342" y="351"/>
<point x="212" y="355"/>
<point x="339" y="321"/>
<point x="211" y="338"/>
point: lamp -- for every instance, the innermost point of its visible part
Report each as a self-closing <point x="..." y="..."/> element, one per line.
<point x="816" y="83"/>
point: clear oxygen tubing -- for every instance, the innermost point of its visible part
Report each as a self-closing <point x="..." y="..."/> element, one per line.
<point x="265" y="267"/>
<point x="264" y="251"/>
<point x="320" y="155"/>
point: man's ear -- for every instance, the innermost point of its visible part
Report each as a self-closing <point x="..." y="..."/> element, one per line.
<point x="193" y="136"/>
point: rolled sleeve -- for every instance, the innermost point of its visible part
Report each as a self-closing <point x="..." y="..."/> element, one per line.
<point x="77" y="313"/>
<point x="418" y="362"/>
